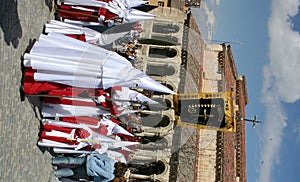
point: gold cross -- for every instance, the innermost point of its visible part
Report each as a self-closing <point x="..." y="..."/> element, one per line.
<point x="205" y="115"/>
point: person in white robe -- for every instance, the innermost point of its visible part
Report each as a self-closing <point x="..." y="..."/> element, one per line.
<point x="103" y="13"/>
<point x="61" y="59"/>
<point x="90" y="35"/>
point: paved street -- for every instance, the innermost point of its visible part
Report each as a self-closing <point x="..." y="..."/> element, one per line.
<point x="20" y="158"/>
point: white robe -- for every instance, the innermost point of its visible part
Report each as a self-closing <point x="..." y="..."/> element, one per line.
<point x="125" y="3"/>
<point x="65" y="60"/>
<point x="112" y="127"/>
<point x="122" y="8"/>
<point x="61" y="110"/>
<point x="91" y="35"/>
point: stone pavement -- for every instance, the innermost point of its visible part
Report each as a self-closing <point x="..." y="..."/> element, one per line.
<point x="20" y="159"/>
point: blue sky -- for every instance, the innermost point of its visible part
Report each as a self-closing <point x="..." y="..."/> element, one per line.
<point x="265" y="39"/>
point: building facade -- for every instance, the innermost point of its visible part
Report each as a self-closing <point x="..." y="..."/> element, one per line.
<point x="174" y="53"/>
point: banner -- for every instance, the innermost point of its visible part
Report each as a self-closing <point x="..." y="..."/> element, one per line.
<point x="206" y="111"/>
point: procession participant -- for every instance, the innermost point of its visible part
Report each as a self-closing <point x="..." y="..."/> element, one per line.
<point x="124" y="129"/>
<point x="32" y="87"/>
<point x="61" y="59"/>
<point x="111" y="128"/>
<point x="83" y="33"/>
<point x="109" y="13"/>
<point x="87" y="14"/>
<point x="99" y="167"/>
<point x="80" y="139"/>
<point x="59" y="107"/>
<point x="126" y="101"/>
<point x="66" y="138"/>
<point x="130" y="129"/>
<point x="92" y="122"/>
<point x="121" y="102"/>
<point x="79" y="122"/>
<point x="66" y="134"/>
<point x="91" y="36"/>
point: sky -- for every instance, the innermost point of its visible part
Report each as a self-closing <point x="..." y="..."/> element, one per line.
<point x="264" y="35"/>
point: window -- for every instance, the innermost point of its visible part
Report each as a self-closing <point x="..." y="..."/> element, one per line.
<point x="166" y="38"/>
<point x="156" y="52"/>
<point x="160" y="70"/>
<point x="165" y="28"/>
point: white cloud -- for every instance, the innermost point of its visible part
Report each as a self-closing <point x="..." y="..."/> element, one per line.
<point x="214" y="2"/>
<point x="211" y="20"/>
<point x="281" y="81"/>
<point x="284" y="50"/>
<point x="218" y="2"/>
<point x="275" y="122"/>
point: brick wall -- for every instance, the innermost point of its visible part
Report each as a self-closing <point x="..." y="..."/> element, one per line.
<point x="234" y="83"/>
<point x="241" y="134"/>
<point x="229" y="142"/>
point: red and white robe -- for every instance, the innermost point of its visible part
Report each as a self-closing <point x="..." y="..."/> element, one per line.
<point x="59" y="107"/>
<point x="32" y="87"/>
<point x="87" y="14"/>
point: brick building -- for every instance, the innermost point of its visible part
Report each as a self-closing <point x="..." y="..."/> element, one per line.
<point x="232" y="159"/>
<point x="174" y="54"/>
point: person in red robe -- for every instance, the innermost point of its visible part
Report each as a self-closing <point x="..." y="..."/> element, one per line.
<point x="90" y="121"/>
<point x="103" y="100"/>
<point x="32" y="87"/>
<point x="88" y="14"/>
<point x="49" y="132"/>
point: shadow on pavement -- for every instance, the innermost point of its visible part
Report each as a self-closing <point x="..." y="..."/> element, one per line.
<point x="10" y="22"/>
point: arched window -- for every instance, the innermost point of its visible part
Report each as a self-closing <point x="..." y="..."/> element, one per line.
<point x="166" y="38"/>
<point x="151" y="120"/>
<point x="155" y="120"/>
<point x="165" y="102"/>
<point x="148" y="168"/>
<point x="164" y="122"/>
<point x="165" y="28"/>
<point x="163" y="40"/>
<point x="157" y="70"/>
<point x="157" y="52"/>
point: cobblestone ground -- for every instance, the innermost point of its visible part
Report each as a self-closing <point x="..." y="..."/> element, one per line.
<point x="20" y="158"/>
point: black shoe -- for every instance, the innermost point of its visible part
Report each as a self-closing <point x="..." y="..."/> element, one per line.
<point x="22" y="93"/>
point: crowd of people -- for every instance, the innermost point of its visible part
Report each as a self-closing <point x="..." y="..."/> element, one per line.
<point x="84" y="89"/>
